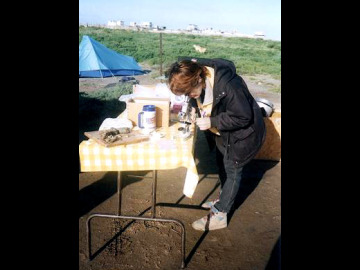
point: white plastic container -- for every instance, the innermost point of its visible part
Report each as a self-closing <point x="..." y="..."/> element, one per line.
<point x="147" y="118"/>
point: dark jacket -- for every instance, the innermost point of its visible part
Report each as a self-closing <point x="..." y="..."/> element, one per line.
<point x="235" y="113"/>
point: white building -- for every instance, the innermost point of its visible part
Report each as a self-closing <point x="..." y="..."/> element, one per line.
<point x="146" y="24"/>
<point x="133" y="24"/>
<point x="259" y="35"/>
<point x="113" y="24"/>
<point x="192" y="27"/>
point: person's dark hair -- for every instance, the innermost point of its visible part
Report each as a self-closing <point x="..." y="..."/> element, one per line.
<point x="184" y="76"/>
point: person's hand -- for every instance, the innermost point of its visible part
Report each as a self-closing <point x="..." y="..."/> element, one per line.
<point x="203" y="123"/>
<point x="193" y="115"/>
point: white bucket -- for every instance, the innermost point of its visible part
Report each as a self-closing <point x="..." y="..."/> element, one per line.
<point x="266" y="105"/>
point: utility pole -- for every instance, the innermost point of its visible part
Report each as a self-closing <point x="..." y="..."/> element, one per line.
<point x="161" y="71"/>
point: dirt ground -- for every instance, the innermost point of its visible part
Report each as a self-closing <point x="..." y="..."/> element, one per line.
<point x="250" y="242"/>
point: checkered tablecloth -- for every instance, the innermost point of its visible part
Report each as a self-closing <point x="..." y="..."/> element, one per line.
<point x="169" y="152"/>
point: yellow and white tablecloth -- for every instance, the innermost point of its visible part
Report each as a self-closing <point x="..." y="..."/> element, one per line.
<point x="169" y="152"/>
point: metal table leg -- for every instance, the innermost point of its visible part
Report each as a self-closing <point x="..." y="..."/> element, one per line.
<point x="119" y="188"/>
<point x="154" y="184"/>
<point x="153" y="218"/>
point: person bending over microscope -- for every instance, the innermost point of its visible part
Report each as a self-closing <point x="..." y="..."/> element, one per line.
<point x="231" y="120"/>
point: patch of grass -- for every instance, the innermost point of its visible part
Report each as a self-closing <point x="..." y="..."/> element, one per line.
<point x="250" y="56"/>
<point x="88" y="84"/>
<point x="277" y="77"/>
<point x="95" y="107"/>
<point x="111" y="93"/>
<point x="276" y="89"/>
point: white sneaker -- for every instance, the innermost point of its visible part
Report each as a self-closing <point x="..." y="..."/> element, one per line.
<point x="208" y="204"/>
<point x="212" y="221"/>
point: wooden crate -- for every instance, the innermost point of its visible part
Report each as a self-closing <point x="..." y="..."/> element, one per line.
<point x="271" y="149"/>
<point x="162" y="107"/>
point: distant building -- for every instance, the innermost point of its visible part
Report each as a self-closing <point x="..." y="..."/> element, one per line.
<point x="111" y="23"/>
<point x="146" y="25"/>
<point x="157" y="27"/>
<point x="133" y="24"/>
<point x="192" y="27"/>
<point x="211" y="31"/>
<point x="115" y="24"/>
<point x="260" y="35"/>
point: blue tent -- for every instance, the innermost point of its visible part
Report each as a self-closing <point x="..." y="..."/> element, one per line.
<point x="98" y="61"/>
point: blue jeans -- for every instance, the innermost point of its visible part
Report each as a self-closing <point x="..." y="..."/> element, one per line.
<point x="230" y="178"/>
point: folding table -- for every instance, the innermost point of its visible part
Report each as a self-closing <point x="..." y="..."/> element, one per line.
<point x="169" y="152"/>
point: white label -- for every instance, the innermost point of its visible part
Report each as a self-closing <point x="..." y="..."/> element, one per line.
<point x="149" y="120"/>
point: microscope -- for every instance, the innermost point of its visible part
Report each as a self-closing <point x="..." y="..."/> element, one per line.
<point x="184" y="117"/>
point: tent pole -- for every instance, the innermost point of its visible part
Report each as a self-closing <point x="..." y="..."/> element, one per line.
<point x="113" y="76"/>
